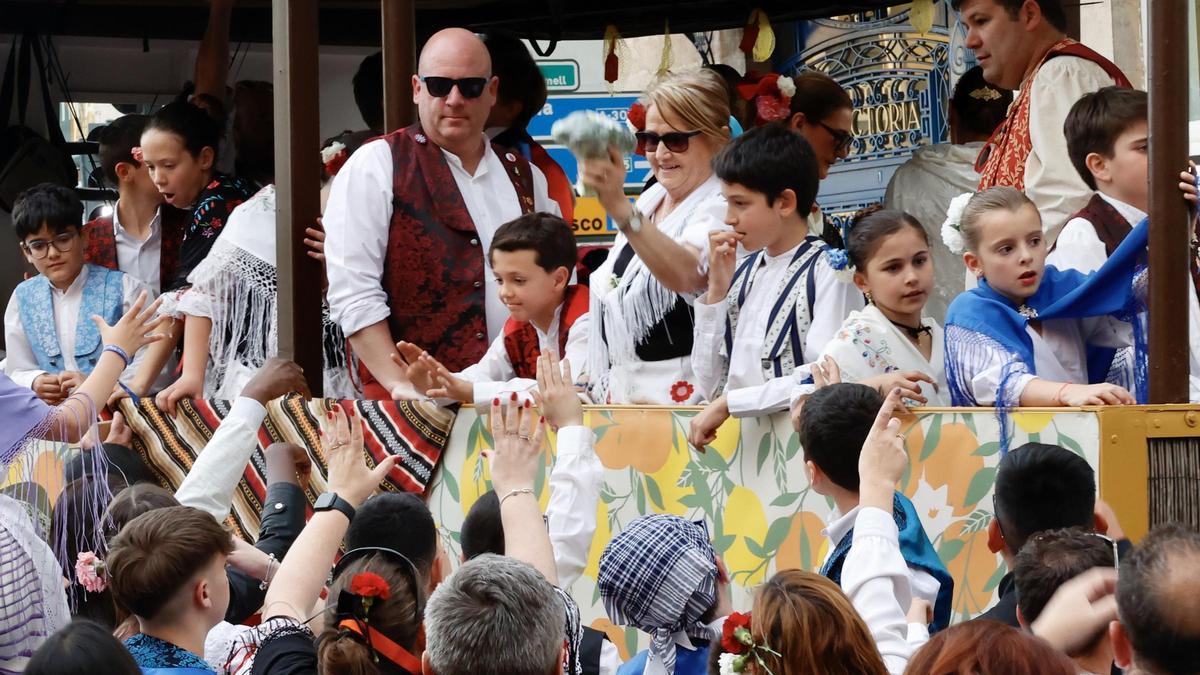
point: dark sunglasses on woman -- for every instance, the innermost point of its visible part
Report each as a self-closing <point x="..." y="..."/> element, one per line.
<point x="676" y="141"/>
<point x="469" y="87"/>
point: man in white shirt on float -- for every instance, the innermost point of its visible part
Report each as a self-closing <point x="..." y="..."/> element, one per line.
<point x="411" y="216"/>
<point x="1022" y="44"/>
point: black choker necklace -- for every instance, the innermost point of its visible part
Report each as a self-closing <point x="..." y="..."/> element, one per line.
<point x="914" y="333"/>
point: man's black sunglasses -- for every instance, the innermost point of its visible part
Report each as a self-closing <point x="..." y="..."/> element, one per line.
<point x="469" y="87"/>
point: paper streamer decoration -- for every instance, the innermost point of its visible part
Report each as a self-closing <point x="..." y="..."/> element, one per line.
<point x="758" y="38"/>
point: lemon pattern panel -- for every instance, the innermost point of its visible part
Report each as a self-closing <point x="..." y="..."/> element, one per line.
<point x="751" y="488"/>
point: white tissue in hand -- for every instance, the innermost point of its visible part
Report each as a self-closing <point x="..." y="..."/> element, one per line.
<point x="589" y="134"/>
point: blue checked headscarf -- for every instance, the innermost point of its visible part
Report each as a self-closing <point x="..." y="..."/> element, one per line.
<point x="660" y="576"/>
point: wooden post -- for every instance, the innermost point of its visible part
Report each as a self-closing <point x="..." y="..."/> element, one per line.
<point x="1170" y="235"/>
<point x="399" y="63"/>
<point x="297" y="184"/>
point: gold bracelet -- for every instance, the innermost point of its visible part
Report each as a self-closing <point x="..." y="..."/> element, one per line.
<point x="518" y="491"/>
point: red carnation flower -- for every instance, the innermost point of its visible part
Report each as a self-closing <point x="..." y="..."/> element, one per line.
<point x="735" y="636"/>
<point x="771" y="108"/>
<point x="370" y="585"/>
<point x="637" y="115"/>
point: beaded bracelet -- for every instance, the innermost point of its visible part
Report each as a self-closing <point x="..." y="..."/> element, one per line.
<point x="119" y="352"/>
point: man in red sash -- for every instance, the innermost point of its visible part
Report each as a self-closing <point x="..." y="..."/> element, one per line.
<point x="411" y="215"/>
<point x="1022" y="44"/>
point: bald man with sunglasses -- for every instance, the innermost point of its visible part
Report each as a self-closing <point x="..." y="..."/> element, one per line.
<point x="411" y="216"/>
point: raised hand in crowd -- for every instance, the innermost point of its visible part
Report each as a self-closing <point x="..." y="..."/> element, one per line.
<point x="1078" y="610"/>
<point x="277" y="377"/>
<point x="301" y="576"/>
<point x="288" y="463"/>
<point x="517" y="434"/>
<point x="119" y="432"/>
<point x="824" y="372"/>
<point x="556" y="395"/>
<point x="134" y="330"/>
<point x="883" y="457"/>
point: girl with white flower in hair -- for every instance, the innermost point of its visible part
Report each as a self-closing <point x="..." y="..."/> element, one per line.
<point x="1024" y="335"/>
<point x="889" y="343"/>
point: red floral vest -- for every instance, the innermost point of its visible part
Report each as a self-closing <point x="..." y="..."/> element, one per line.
<point x="433" y="273"/>
<point x="102" y="243"/>
<point x="521" y="339"/>
<point x="1002" y="159"/>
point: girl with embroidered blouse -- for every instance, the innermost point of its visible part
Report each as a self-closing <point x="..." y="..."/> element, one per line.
<point x="889" y="344"/>
<point x="179" y="149"/>
<point x="1023" y="335"/>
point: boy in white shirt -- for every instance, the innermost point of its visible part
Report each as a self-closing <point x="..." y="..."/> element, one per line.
<point x="52" y="341"/>
<point x="1108" y="142"/>
<point x="775" y="309"/>
<point x="532" y="258"/>
<point x="834" y="424"/>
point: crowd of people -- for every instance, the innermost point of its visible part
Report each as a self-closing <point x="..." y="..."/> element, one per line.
<point x="453" y="275"/>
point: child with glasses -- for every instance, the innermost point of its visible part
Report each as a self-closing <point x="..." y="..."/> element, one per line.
<point x="52" y="342"/>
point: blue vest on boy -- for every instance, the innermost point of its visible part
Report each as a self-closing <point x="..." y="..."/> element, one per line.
<point x="687" y="661"/>
<point x="918" y="553"/>
<point x="791" y="312"/>
<point x="103" y="295"/>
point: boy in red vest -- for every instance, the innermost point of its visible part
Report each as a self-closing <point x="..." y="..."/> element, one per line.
<point x="1108" y="138"/>
<point x="532" y="258"/>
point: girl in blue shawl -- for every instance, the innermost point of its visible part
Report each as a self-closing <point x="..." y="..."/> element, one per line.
<point x="1024" y="335"/>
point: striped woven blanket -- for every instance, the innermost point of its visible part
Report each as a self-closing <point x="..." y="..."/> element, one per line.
<point x="417" y="432"/>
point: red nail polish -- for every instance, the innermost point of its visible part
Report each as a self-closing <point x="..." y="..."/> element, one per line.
<point x="514" y="396"/>
<point x="542" y="420"/>
<point x="496" y="401"/>
<point x="526" y="404"/>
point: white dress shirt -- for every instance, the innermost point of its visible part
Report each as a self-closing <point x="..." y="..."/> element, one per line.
<point x="1079" y="248"/>
<point x="921" y="583"/>
<point x="210" y="484"/>
<point x="22" y="366"/>
<point x="1051" y="180"/>
<point x="748" y="391"/>
<point x="359" y="215"/>
<point x="140" y="259"/>
<point x="574" y="494"/>
<point x="494" y="376"/>
<point x="876" y="579"/>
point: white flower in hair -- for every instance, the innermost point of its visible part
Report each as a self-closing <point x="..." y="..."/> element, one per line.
<point x="725" y="662"/>
<point x="952" y="227"/>
<point x="331" y="151"/>
<point x="787" y="86"/>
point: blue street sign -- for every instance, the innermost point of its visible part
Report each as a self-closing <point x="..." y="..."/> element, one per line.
<point x="558" y="107"/>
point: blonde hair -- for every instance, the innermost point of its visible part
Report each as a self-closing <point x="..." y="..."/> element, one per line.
<point x="699" y="99"/>
<point x="999" y="198"/>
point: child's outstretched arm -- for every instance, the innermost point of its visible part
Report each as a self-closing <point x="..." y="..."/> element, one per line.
<point x="134" y="330"/>
<point x="1041" y="392"/>
<point x="197" y="330"/>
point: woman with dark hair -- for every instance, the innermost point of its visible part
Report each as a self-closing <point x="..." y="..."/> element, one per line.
<point x="822" y="111"/>
<point x="82" y="648"/>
